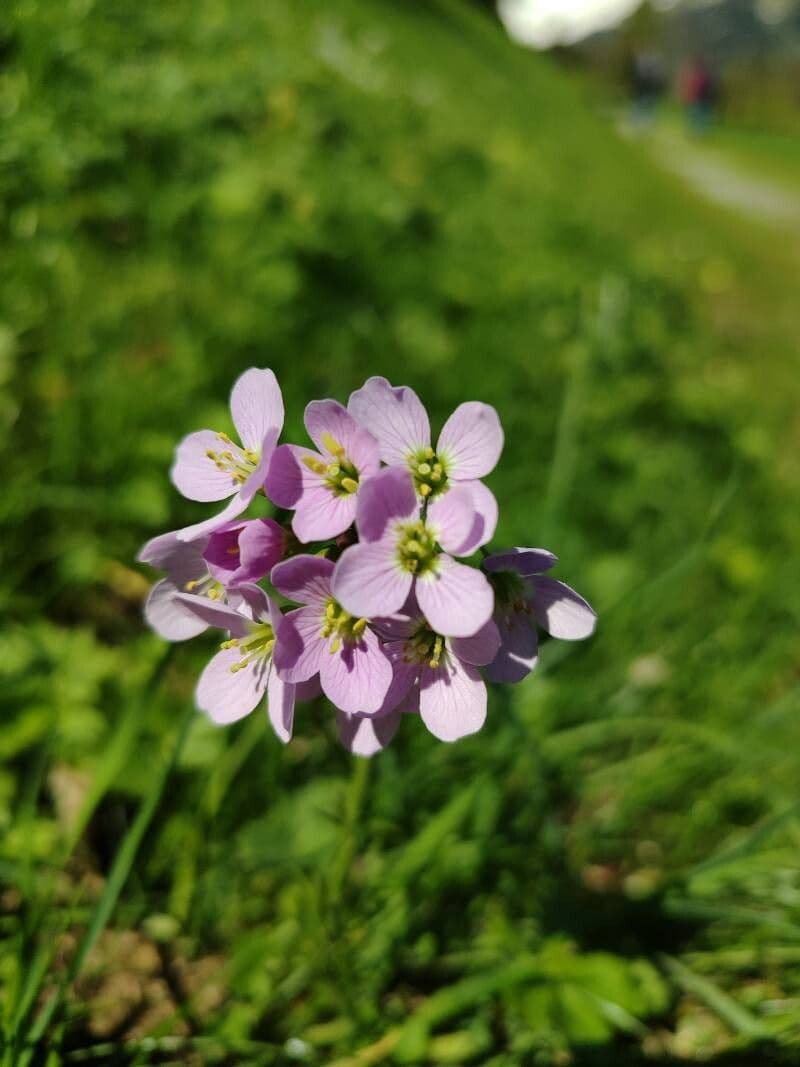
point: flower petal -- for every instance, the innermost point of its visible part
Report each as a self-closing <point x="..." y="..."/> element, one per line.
<point x="452" y="699"/>
<point x="168" y="617"/>
<point x="452" y="517"/>
<point x="519" y="648"/>
<point x="386" y="498"/>
<point x="307" y="691"/>
<point x="182" y="560"/>
<point x="251" y="601"/>
<point x="198" y="530"/>
<point x="394" y="416"/>
<point x="471" y="441"/>
<point x="322" y="514"/>
<point x="299" y="649"/>
<point x="366" y="735"/>
<point x="484" y="522"/>
<point x="225" y="695"/>
<point x="258" y="478"/>
<point x="561" y="611"/>
<point x="261" y="547"/>
<point x="404" y="675"/>
<point x="357" y="677"/>
<point x="329" y="417"/>
<point x="212" y="613"/>
<point x="244" y="551"/>
<point x="304" y="579"/>
<point x="524" y="561"/>
<point x="256" y="406"/>
<point x="288" y="477"/>
<point x="369" y="581"/>
<point x="479" y="649"/>
<point x="195" y="475"/>
<point x="457" y="600"/>
<point x="280" y="706"/>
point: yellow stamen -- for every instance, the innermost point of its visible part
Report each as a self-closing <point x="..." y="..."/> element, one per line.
<point x="315" y="465"/>
<point x="332" y="445"/>
<point x="350" y="485"/>
<point x="425" y="490"/>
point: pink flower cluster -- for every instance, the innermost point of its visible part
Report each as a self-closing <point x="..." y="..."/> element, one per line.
<point x="387" y="618"/>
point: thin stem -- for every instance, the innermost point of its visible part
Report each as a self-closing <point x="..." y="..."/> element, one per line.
<point x="354" y="805"/>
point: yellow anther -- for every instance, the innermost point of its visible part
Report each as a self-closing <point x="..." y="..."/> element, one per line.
<point x="332" y="445"/>
<point x="429" y="453"/>
<point x="190" y="586"/>
<point x="424" y="468"/>
<point x="414" y="547"/>
<point x="333" y="469"/>
<point x="224" y="437"/>
<point x="214" y="594"/>
<point x="411" y="565"/>
<point x="233" y="643"/>
<point x="359" y="626"/>
<point x="331" y="609"/>
<point x="211" y="455"/>
<point x="350" y="484"/>
<point x="425" y="490"/>
<point x="336" y="644"/>
<point x="314" y="464"/>
<point x="436" y="655"/>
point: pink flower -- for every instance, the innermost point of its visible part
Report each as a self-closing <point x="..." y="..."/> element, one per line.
<point x="210" y="466"/>
<point x="211" y="566"/>
<point x="322" y="487"/>
<point x="236" y="679"/>
<point x="523" y="597"/>
<point x="436" y="675"/>
<point x="399" y="551"/>
<point x="244" y="550"/>
<point x="321" y="637"/>
<point x="366" y="735"/>
<point x="185" y="568"/>
<point x="468" y="447"/>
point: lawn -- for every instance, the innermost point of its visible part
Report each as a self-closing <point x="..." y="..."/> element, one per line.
<point x="608" y="872"/>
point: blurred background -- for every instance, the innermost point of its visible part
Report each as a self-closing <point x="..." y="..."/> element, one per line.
<point x="586" y="214"/>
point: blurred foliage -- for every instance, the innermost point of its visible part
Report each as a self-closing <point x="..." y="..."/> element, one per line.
<point x="609" y="868"/>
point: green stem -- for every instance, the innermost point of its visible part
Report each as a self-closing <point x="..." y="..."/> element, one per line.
<point x="354" y="805"/>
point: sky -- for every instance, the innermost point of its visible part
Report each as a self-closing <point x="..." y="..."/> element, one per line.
<point x="542" y="23"/>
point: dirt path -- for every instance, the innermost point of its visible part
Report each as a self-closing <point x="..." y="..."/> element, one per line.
<point x="719" y="179"/>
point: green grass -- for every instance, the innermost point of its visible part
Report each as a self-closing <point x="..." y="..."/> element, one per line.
<point x="609" y="869"/>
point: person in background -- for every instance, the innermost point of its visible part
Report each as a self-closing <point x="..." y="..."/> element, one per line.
<point x="647" y="87"/>
<point x="699" y="93"/>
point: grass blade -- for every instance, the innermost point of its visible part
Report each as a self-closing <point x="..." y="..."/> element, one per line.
<point x="121" y="868"/>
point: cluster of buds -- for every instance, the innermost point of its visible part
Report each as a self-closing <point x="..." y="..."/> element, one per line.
<point x="376" y="589"/>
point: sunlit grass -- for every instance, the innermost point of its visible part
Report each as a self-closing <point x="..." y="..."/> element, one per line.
<point x="397" y="190"/>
